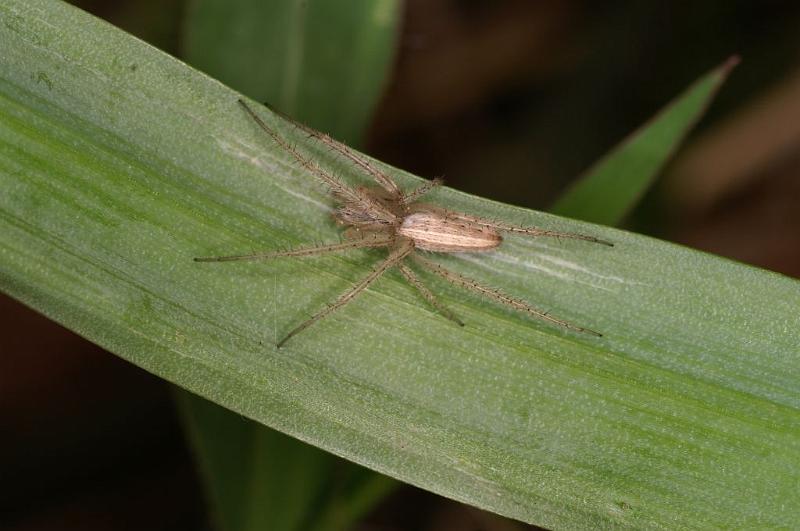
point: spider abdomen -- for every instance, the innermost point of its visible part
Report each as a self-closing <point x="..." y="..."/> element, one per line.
<point x="433" y="231"/>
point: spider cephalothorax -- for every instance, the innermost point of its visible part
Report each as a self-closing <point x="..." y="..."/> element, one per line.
<point x="385" y="216"/>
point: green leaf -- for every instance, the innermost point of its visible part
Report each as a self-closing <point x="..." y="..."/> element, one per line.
<point x="119" y="164"/>
<point x="613" y="186"/>
<point x="257" y="478"/>
<point x="262" y="479"/>
<point x="299" y="56"/>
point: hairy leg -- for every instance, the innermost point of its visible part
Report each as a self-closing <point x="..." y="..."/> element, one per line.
<point x="428" y="294"/>
<point x="421" y="190"/>
<point x="302" y="251"/>
<point x="380" y="177"/>
<point x="396" y="256"/>
<point x="517" y="304"/>
<point x="530" y="231"/>
<point x="357" y="198"/>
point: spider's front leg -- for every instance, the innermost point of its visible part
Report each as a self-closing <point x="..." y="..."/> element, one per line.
<point x="381" y="178"/>
<point x="367" y="241"/>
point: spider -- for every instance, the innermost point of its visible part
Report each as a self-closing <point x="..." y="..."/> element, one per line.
<point x="384" y="216"/>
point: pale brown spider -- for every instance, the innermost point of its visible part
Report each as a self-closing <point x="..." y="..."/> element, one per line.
<point x="385" y="216"/>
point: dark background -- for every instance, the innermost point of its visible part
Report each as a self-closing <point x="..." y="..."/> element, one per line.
<point x="507" y="99"/>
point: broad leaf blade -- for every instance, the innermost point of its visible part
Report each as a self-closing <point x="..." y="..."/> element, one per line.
<point x="118" y="164"/>
<point x="612" y="187"/>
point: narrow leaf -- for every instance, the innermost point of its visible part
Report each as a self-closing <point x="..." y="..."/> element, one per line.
<point x="613" y="186"/>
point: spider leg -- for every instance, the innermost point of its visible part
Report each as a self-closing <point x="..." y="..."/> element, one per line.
<point x="498" y="296"/>
<point x="421" y="190"/>
<point x="302" y="251"/>
<point x="397" y="255"/>
<point x="428" y="294"/>
<point x="530" y="231"/>
<point x="380" y="177"/>
<point x="339" y="189"/>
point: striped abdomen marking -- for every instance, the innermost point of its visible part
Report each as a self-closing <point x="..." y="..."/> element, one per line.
<point x="432" y="231"/>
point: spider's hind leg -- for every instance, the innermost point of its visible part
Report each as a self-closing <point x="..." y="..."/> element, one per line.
<point x="530" y="231"/>
<point x="496" y="295"/>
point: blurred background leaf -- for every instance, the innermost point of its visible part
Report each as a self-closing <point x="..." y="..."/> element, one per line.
<point x="614" y="186"/>
<point x="323" y="63"/>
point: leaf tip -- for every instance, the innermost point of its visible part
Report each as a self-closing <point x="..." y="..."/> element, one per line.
<point x="724" y="70"/>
